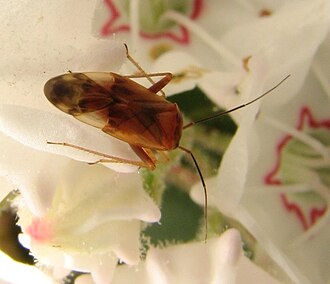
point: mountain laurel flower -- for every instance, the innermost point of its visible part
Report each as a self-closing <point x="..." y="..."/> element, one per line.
<point x="220" y="260"/>
<point x="92" y="223"/>
<point x="267" y="181"/>
<point x="273" y="177"/>
<point x="17" y="272"/>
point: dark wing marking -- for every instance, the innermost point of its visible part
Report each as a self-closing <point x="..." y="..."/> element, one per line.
<point x="77" y="93"/>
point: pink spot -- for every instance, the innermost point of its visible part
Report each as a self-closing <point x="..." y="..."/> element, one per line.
<point x="40" y="230"/>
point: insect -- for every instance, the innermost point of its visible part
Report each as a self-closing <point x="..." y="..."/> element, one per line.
<point x="124" y="109"/>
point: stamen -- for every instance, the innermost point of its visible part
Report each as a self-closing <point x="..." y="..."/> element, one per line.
<point x="134" y="22"/>
<point x="321" y="189"/>
<point x="221" y="50"/>
<point x="312" y="162"/>
<point x="300" y="135"/>
<point x="322" y="78"/>
<point x="285" y="188"/>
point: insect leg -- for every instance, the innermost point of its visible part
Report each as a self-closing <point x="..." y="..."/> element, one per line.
<point x="203" y="184"/>
<point x="146" y="156"/>
<point x="137" y="65"/>
<point x="107" y="158"/>
<point x="157" y="86"/>
<point x="159" y="74"/>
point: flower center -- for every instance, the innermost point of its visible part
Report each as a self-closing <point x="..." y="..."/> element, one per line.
<point x="302" y="173"/>
<point x="151" y="12"/>
<point x="300" y="162"/>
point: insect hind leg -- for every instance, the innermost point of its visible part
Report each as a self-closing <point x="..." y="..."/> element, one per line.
<point x="106" y="158"/>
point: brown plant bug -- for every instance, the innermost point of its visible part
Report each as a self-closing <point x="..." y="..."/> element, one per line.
<point x="124" y="109"/>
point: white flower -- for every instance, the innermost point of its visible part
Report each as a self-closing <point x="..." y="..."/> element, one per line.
<point x="42" y="49"/>
<point x="275" y="187"/>
<point x="219" y="260"/>
<point x="15" y="272"/>
<point x="60" y="198"/>
<point x="92" y="223"/>
<point x="88" y="218"/>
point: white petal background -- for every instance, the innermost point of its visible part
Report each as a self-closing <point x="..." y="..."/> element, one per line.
<point x="40" y="40"/>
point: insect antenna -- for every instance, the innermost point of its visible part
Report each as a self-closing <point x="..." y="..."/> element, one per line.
<point x="203" y="184"/>
<point x="235" y="108"/>
<point x="209" y="118"/>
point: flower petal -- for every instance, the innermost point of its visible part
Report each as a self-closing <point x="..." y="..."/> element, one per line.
<point x="16" y="272"/>
<point x="96" y="213"/>
<point x="213" y="262"/>
<point x="42" y="41"/>
<point x="28" y="171"/>
<point x="34" y="128"/>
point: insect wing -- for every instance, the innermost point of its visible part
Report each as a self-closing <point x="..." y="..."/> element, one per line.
<point x="118" y="106"/>
<point x="78" y="94"/>
<point x="146" y="126"/>
<point x="140" y="117"/>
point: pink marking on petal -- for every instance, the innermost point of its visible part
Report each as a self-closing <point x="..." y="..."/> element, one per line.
<point x="271" y="177"/>
<point x="198" y="7"/>
<point x="306" y="117"/>
<point x="295" y="208"/>
<point x="181" y="37"/>
<point x="107" y="29"/>
<point x="40" y="230"/>
<point x="316" y="213"/>
<point x="306" y="120"/>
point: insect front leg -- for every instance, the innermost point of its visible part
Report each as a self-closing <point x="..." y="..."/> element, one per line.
<point x="149" y="76"/>
<point x="156" y="86"/>
<point x="146" y="156"/>
<point x="145" y="75"/>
